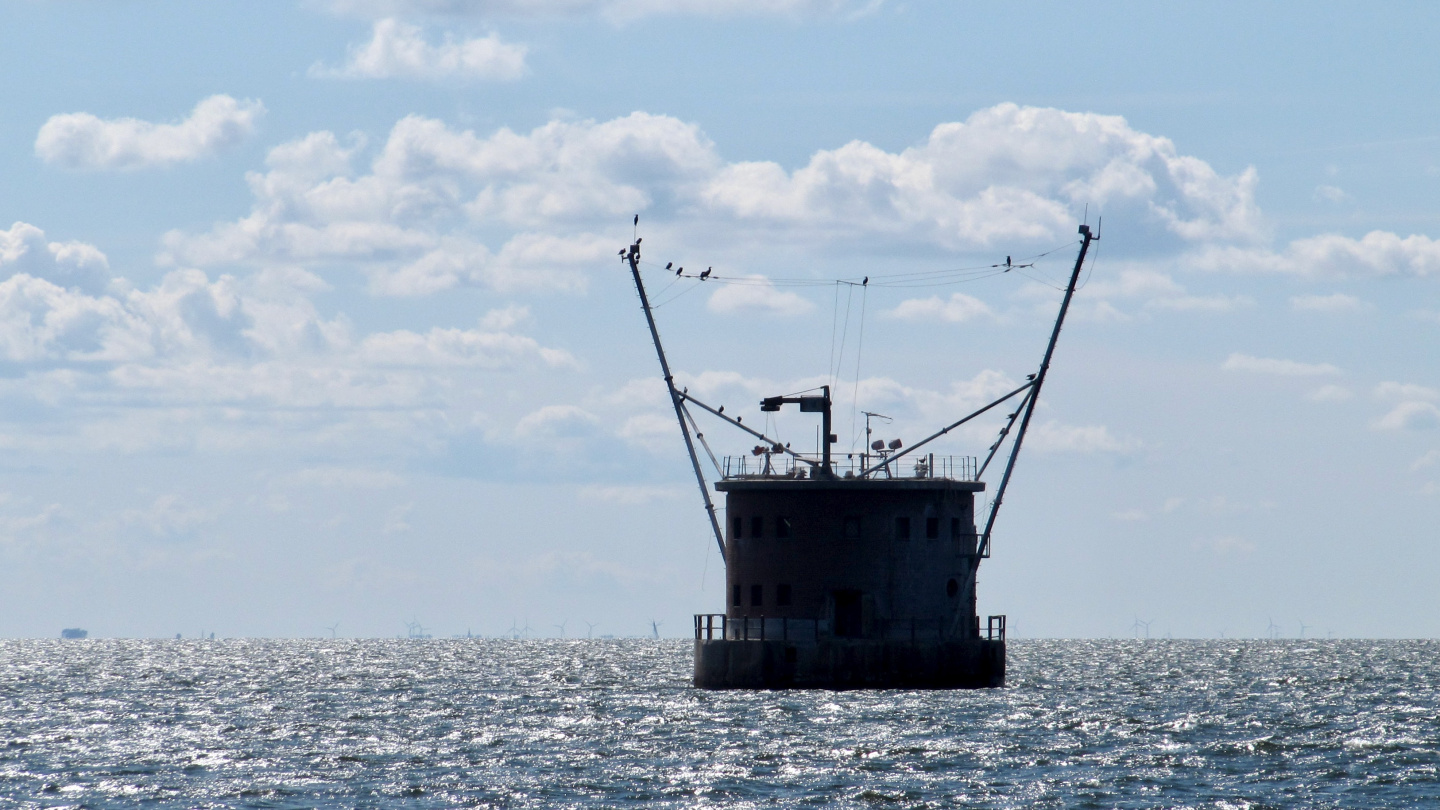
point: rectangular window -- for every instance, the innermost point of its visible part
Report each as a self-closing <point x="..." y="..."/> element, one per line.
<point x="735" y="596"/>
<point x="757" y="595"/>
<point x="932" y="528"/>
<point x="851" y="527"/>
<point x="757" y="526"/>
<point x="782" y="594"/>
<point x="955" y="528"/>
<point x="782" y="527"/>
<point x="902" y="528"/>
<point x="737" y="528"/>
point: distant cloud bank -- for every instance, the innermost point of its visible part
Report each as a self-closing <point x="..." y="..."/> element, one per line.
<point x="1284" y="368"/>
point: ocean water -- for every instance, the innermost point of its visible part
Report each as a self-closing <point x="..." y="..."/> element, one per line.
<point x="461" y="723"/>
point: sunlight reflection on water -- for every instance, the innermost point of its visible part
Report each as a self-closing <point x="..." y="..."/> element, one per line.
<point x="395" y="723"/>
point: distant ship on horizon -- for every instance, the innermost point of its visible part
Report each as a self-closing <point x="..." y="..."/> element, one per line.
<point x="74" y="633"/>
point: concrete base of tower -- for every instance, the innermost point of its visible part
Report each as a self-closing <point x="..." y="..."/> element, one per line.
<point x="850" y="663"/>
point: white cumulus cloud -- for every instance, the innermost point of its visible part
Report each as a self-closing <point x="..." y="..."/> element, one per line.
<point x="1335" y="302"/>
<point x="1330" y="393"/>
<point x="1410" y="415"/>
<point x="24" y="249"/>
<point x="397" y="50"/>
<point x="756" y="294"/>
<point x="1053" y="437"/>
<point x="1005" y="174"/>
<point x="84" y="141"/>
<point x="438" y="206"/>
<point x="121" y="367"/>
<point x="1377" y="253"/>
<point x="958" y="308"/>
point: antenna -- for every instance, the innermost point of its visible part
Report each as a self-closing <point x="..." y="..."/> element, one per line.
<point x="865" y="456"/>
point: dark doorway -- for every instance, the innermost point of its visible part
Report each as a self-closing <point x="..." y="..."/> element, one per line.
<point x="847" y="614"/>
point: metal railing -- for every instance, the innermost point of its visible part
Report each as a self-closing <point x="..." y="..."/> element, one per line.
<point x="995" y="628"/>
<point x="712" y="626"/>
<point x="777" y="466"/>
<point x="718" y="626"/>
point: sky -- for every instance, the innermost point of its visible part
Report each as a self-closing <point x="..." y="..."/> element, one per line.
<point x="311" y="318"/>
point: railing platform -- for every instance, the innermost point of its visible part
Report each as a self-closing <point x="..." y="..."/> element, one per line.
<point x="719" y="626"/>
<point x="780" y="466"/>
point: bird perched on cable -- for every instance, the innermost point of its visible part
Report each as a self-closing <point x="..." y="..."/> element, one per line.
<point x="707" y="273"/>
<point x="866" y="282"/>
<point x="681" y="270"/>
<point x="721" y="410"/>
<point x="669" y="265"/>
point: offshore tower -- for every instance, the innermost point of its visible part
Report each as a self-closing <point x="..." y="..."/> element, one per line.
<point x="857" y="572"/>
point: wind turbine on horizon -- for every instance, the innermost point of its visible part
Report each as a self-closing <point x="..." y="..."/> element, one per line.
<point x="561" y="627"/>
<point x="590" y="629"/>
<point x="331" y="628"/>
<point x="655" y="627"/>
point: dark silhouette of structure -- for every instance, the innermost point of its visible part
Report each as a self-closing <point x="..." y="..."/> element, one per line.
<point x="853" y="573"/>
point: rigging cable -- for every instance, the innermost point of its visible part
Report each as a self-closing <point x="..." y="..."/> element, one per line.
<point x="1094" y="257"/>
<point x="834" y="322"/>
<point x="859" y="345"/>
<point x="918" y="278"/>
<point x="844" y="334"/>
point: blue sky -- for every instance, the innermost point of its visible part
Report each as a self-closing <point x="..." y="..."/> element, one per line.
<point x="310" y="312"/>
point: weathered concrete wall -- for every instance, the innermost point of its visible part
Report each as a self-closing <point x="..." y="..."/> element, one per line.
<point x="901" y="580"/>
<point x="844" y="663"/>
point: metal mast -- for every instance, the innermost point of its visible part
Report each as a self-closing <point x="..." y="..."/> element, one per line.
<point x="676" y="398"/>
<point x="1034" y="395"/>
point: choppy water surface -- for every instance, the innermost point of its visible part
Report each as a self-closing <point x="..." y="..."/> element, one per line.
<point x="1226" y="724"/>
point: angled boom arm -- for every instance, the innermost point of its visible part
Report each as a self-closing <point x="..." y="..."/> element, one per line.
<point x="1034" y="396"/>
<point x="676" y="398"/>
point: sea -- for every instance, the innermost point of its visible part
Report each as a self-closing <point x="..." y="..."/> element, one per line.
<point x="615" y="723"/>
